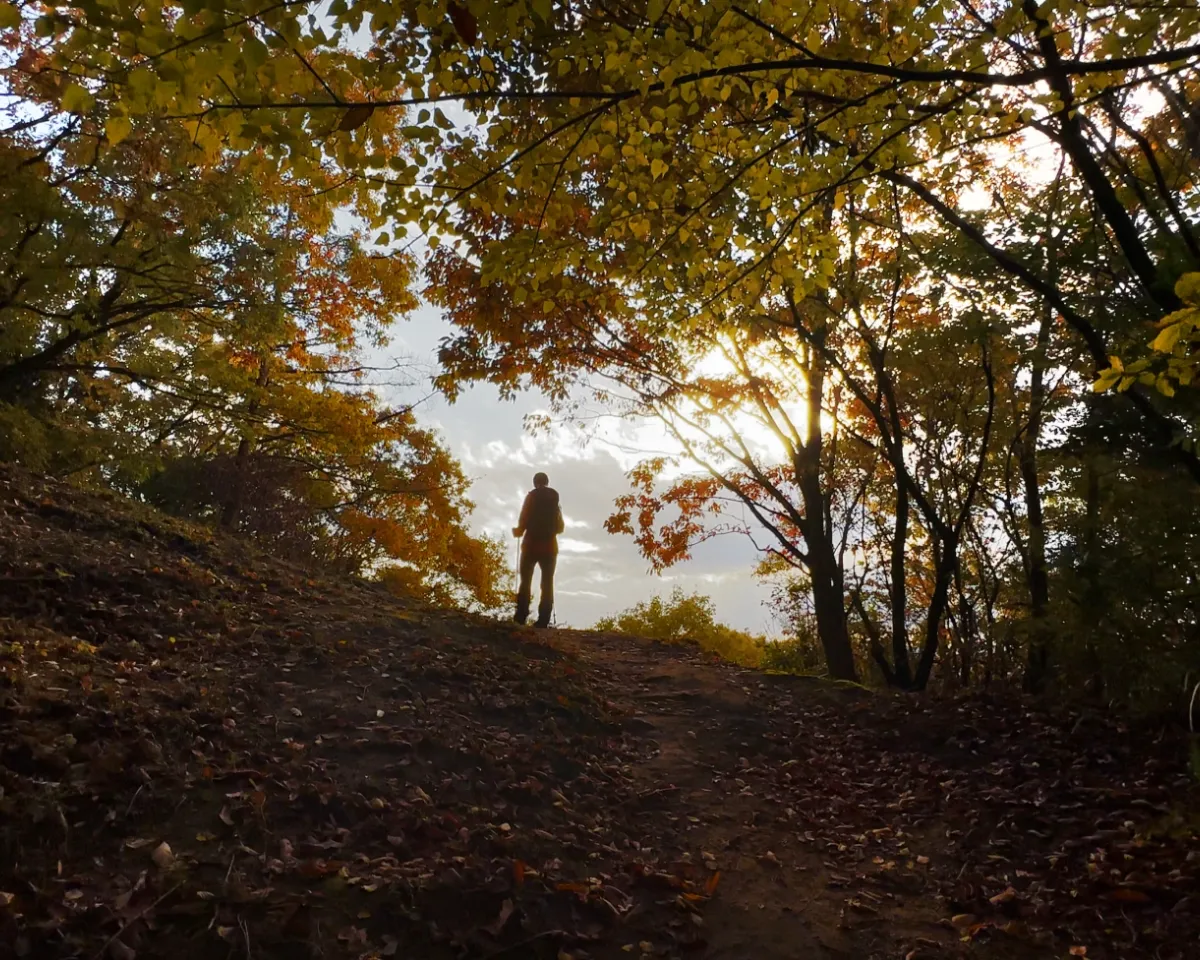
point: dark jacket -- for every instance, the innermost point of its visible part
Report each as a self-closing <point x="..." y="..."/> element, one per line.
<point x="541" y="519"/>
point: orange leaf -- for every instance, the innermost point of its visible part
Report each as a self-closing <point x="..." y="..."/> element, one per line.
<point x="711" y="887"/>
<point x="1128" y="895"/>
<point x="519" y="872"/>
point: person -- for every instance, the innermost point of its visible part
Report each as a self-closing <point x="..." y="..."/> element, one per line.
<point x="540" y="524"/>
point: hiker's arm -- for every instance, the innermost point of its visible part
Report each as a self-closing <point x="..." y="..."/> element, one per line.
<point x="559" y="526"/>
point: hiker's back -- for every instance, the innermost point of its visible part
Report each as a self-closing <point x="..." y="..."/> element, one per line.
<point x="543" y="514"/>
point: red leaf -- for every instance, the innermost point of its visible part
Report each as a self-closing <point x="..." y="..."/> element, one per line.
<point x="465" y="24"/>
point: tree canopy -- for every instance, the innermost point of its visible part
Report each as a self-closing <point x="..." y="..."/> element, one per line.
<point x="190" y="324"/>
<point x="911" y="285"/>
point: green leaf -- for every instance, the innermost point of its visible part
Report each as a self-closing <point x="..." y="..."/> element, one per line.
<point x="10" y="16"/>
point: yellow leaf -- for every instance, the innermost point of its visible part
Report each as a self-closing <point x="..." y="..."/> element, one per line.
<point x="1167" y="338"/>
<point x="117" y="129"/>
<point x="1187" y="288"/>
<point x="76" y="99"/>
<point x="10" y="16"/>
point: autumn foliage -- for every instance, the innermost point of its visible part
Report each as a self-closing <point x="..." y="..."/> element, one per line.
<point x="910" y="288"/>
<point x="188" y="323"/>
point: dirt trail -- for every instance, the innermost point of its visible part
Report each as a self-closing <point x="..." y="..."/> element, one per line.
<point x="208" y="754"/>
<point x="779" y="899"/>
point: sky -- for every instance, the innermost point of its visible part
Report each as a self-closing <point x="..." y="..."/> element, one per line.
<point x="598" y="573"/>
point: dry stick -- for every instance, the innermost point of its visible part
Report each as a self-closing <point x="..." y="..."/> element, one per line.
<point x="132" y="920"/>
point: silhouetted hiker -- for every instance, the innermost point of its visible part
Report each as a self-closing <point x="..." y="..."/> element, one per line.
<point x="540" y="524"/>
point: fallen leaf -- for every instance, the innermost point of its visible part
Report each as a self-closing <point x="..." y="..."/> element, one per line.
<point x="711" y="886"/>
<point x="119" y="951"/>
<point x="1005" y="897"/>
<point x="162" y="856"/>
<point x="506" y="911"/>
<point x="1078" y="951"/>
<point x="518" y="872"/>
<point x="1128" y="895"/>
<point x="962" y="920"/>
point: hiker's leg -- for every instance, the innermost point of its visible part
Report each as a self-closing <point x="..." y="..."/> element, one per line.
<point x="546" y="596"/>
<point x="524" y="587"/>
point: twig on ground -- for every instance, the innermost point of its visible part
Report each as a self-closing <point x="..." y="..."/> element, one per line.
<point x="131" y="921"/>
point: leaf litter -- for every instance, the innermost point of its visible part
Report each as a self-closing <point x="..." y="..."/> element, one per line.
<point x="209" y="753"/>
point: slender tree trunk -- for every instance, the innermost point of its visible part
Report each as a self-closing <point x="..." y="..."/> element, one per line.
<point x="1038" y="667"/>
<point x="945" y="559"/>
<point x="968" y="631"/>
<point x="899" y="589"/>
<point x="232" y="507"/>
<point x="1093" y="591"/>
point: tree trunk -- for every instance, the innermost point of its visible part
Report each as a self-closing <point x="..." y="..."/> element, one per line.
<point x="945" y="559"/>
<point x="825" y="572"/>
<point x="899" y="589"/>
<point x="1038" y="667"/>
<point x="1093" y="591"/>
<point x="232" y="507"/>
<point x="830" y="606"/>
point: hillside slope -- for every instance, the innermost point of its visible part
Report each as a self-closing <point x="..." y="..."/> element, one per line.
<point x="206" y="753"/>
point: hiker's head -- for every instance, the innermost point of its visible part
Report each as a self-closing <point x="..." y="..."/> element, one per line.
<point x="541" y="480"/>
